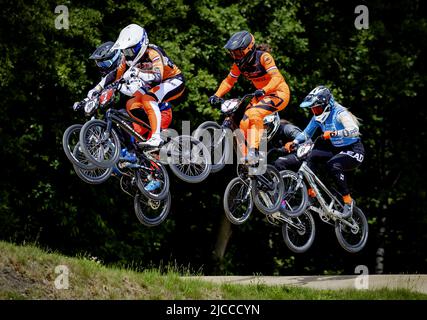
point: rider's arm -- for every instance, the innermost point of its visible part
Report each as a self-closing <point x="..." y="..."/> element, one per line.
<point x="109" y="78"/>
<point x="228" y="82"/>
<point x="291" y="131"/>
<point x="158" y="67"/>
<point x="308" y="131"/>
<point x="268" y="63"/>
<point x="351" y="129"/>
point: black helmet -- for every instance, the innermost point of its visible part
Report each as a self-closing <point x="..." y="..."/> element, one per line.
<point x="106" y="59"/>
<point x="241" y="46"/>
<point x="320" y="100"/>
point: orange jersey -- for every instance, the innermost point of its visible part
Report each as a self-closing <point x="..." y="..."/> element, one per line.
<point x="161" y="63"/>
<point x="262" y="72"/>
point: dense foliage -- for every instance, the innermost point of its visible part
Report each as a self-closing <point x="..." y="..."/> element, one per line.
<point x="379" y="73"/>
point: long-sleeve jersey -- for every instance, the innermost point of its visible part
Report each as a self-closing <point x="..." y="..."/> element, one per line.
<point x="262" y="72"/>
<point x="285" y="133"/>
<point x="162" y="66"/>
<point x="112" y="76"/>
<point x="339" y="120"/>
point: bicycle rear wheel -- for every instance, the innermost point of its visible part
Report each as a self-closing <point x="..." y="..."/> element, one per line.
<point x="156" y="172"/>
<point x="352" y="238"/>
<point x="189" y="159"/>
<point x="151" y="212"/>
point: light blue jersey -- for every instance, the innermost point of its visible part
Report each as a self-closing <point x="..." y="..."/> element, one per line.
<point x="340" y="121"/>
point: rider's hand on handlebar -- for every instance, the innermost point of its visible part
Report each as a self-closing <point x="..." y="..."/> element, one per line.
<point x="259" y="93"/>
<point x="214" y="100"/>
<point x="329" y="134"/>
<point x="77" y="106"/>
<point x="290" y="146"/>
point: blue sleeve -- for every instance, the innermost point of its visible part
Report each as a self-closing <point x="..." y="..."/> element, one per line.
<point x="308" y="131"/>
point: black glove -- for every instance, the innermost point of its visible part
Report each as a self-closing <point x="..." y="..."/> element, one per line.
<point x="214" y="100"/>
<point x="259" y="93"/>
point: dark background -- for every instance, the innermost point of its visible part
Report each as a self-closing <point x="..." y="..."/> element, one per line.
<point x="378" y="73"/>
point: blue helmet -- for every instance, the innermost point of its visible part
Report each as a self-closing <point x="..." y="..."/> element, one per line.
<point x="320" y="100"/>
<point x="106" y="59"/>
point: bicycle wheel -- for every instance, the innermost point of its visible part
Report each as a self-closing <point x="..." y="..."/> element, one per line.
<point x="151" y="212"/>
<point x="91" y="176"/>
<point x="238" y="203"/>
<point x="352" y="238"/>
<point x="217" y="141"/>
<point x="70" y="138"/>
<point x="189" y="159"/>
<point x="267" y="190"/>
<point x="101" y="151"/>
<point x="154" y="172"/>
<point x="295" y="200"/>
<point x="299" y="234"/>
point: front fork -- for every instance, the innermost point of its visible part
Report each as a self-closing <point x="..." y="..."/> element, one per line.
<point x="109" y="125"/>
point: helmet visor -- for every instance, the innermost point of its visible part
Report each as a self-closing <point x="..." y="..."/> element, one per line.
<point x="107" y="63"/>
<point x="317" y="110"/>
<point x="131" y="52"/>
<point x="237" y="54"/>
<point x="104" y="64"/>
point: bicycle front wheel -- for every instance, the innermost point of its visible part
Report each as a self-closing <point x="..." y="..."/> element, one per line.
<point x="295" y="198"/>
<point x="189" y="159"/>
<point x="70" y="139"/>
<point x="267" y="190"/>
<point x="238" y="203"/>
<point x="217" y="141"/>
<point x="100" y="147"/>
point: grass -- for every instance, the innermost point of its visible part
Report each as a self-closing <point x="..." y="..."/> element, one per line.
<point x="27" y="272"/>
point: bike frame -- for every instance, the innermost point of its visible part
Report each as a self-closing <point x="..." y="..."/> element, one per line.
<point x="326" y="210"/>
<point x="121" y="119"/>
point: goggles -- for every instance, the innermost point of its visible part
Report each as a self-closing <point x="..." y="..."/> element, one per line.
<point x="105" y="64"/>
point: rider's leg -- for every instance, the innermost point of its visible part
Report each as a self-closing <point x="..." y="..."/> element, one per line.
<point x="151" y="107"/>
<point x="318" y="156"/>
<point x="253" y="123"/>
<point x="166" y="118"/>
<point x="348" y="159"/>
<point x="289" y="162"/>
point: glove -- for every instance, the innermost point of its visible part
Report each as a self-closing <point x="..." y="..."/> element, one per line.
<point x="134" y="84"/>
<point x="259" y="93"/>
<point x="92" y="93"/>
<point x="290" y="146"/>
<point x="77" y="106"/>
<point x="329" y="134"/>
<point x="214" y="100"/>
<point x="131" y="73"/>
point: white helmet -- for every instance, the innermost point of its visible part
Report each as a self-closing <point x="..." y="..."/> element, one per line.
<point x="271" y="124"/>
<point x="133" y="41"/>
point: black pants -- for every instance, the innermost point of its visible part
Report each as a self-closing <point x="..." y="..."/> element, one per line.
<point x="288" y="162"/>
<point x="339" y="160"/>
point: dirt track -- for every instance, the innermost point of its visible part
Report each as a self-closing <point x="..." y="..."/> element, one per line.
<point x="415" y="282"/>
